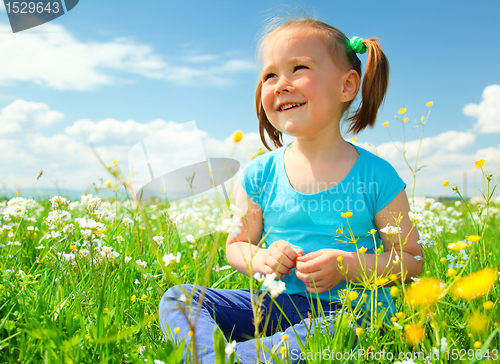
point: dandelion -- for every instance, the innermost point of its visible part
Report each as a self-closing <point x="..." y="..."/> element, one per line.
<point x="429" y="104"/>
<point x="461" y="245"/>
<point x="414" y="334"/>
<point x="352" y="295"/>
<point x="381" y="281"/>
<point x="402" y="111"/>
<point x="385" y="124"/>
<point x="446" y="184"/>
<point x="451" y="272"/>
<point x="394" y="291"/>
<point x="426" y="291"/>
<point x="488" y="305"/>
<point x="477" y="322"/>
<point x="479" y="163"/>
<point x="346" y="214"/>
<point x="473" y="238"/>
<point x="237" y="136"/>
<point x="475" y="285"/>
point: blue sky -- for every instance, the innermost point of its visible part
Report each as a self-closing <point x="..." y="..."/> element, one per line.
<point x="113" y="72"/>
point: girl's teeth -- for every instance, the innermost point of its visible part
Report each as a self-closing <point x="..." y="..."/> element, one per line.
<point x="286" y="107"/>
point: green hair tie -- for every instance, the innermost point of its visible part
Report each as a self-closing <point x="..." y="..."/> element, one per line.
<point x="356" y="44"/>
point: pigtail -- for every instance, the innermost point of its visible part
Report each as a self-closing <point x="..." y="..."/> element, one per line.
<point x="274" y="134"/>
<point x="373" y="89"/>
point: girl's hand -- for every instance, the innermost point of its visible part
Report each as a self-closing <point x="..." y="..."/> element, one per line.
<point x="279" y="257"/>
<point x="319" y="270"/>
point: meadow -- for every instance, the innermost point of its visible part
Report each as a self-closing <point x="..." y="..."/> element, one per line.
<point x="81" y="282"/>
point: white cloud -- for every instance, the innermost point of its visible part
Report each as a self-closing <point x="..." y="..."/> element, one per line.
<point x="67" y="158"/>
<point x="23" y="117"/>
<point x="487" y="112"/>
<point x="56" y="59"/>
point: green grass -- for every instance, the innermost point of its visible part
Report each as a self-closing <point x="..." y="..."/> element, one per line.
<point x="57" y="309"/>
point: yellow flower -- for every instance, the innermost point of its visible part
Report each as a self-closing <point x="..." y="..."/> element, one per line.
<point x="359" y="331"/>
<point x="442" y="260"/>
<point x="237" y="136"/>
<point x="115" y="161"/>
<point x="429" y="103"/>
<point x="488" y="305"/>
<point x="381" y="281"/>
<point x="143" y="297"/>
<point x="190" y="333"/>
<point x="362" y="250"/>
<point x="394" y="319"/>
<point x="473" y="238"/>
<point x="405" y="120"/>
<point x="476" y="284"/>
<point x="446" y="184"/>
<point x="177" y="330"/>
<point x="285" y="337"/>
<point x="340" y="258"/>
<point x="459" y="245"/>
<point x="352" y="295"/>
<point x="401" y="111"/>
<point x="354" y="139"/>
<point x="451" y="272"/>
<point x="72" y="246"/>
<point x="386" y="123"/>
<point x="477" y="322"/>
<point x="477" y="345"/>
<point x="133" y="298"/>
<point x="105" y="310"/>
<point x="373" y="231"/>
<point x="399" y="315"/>
<point x="394" y="291"/>
<point x="426" y="291"/>
<point x="346" y="214"/>
<point x="393" y="277"/>
<point x="283" y="350"/>
<point x="479" y="163"/>
<point x="414" y="334"/>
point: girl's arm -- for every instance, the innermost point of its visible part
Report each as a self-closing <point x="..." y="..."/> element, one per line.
<point x="243" y="252"/>
<point x="398" y="248"/>
<point x="321" y="269"/>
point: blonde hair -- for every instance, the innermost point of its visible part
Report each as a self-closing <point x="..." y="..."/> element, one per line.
<point x="373" y="88"/>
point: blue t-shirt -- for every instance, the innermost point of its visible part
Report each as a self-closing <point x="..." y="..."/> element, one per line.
<point x="310" y="221"/>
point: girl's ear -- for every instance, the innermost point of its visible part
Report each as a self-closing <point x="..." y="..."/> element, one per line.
<point x="350" y="86"/>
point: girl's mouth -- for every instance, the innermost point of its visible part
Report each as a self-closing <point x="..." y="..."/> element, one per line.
<point x="288" y="106"/>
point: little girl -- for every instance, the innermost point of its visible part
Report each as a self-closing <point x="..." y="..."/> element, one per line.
<point x="294" y="196"/>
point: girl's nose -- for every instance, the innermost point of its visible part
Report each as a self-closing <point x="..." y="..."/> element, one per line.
<point x="283" y="86"/>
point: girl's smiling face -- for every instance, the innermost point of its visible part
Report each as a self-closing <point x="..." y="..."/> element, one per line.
<point x="302" y="88"/>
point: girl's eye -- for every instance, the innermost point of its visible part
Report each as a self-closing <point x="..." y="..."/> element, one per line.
<point x="299" y="67"/>
<point x="268" y="76"/>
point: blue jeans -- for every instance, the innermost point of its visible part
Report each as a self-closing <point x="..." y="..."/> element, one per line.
<point x="231" y="312"/>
